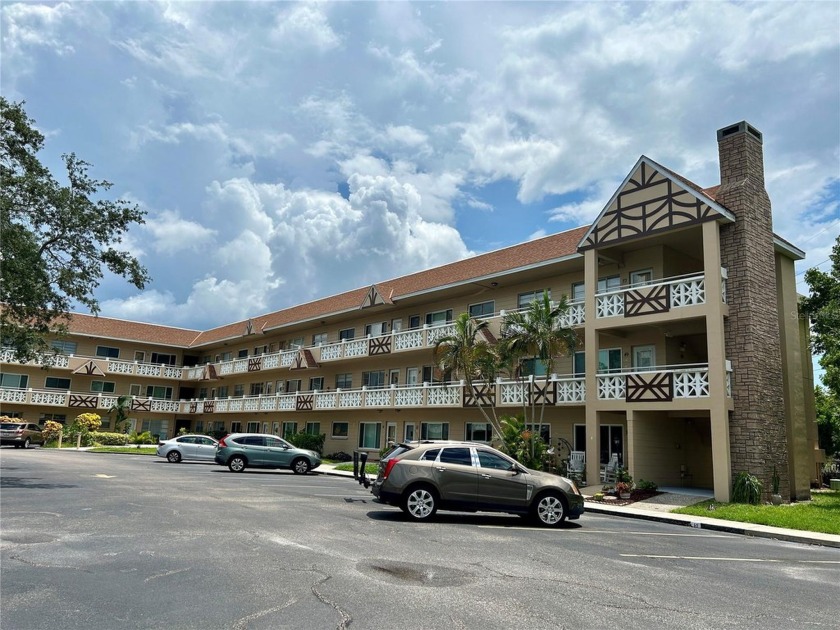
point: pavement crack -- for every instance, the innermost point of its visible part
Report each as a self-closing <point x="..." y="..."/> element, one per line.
<point x="38" y="565"/>
<point x="242" y="624"/>
<point x="167" y="573"/>
<point x="346" y="618"/>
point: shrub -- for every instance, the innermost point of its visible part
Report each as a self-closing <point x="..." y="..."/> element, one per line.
<point x="524" y="445"/>
<point x="598" y="496"/>
<point x="340" y="456"/>
<point x="746" y="489"/>
<point x="141" y="438"/>
<point x="646" y="485"/>
<point x="309" y="441"/>
<point x="87" y="422"/>
<point x="104" y="438"/>
<point x="52" y="430"/>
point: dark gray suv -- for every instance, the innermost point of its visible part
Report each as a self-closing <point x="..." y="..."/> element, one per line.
<point x="422" y="477"/>
<point x="257" y="450"/>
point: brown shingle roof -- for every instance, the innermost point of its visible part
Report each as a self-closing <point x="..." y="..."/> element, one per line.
<point x="109" y="328"/>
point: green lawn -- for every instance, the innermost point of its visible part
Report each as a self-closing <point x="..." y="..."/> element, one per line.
<point x="821" y="514"/>
<point x="371" y="469"/>
<point x="127" y="450"/>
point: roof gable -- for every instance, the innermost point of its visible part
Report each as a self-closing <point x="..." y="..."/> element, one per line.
<point x="651" y="199"/>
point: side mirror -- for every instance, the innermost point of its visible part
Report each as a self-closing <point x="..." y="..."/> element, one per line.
<point x="515" y="469"/>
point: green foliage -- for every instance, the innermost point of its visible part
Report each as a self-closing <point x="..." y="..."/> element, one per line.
<point x="775" y="481"/>
<point x="141" y="438"/>
<point x="121" y="410"/>
<point x="746" y="489"/>
<point x="646" y="485"/>
<point x="309" y="441"/>
<point x="104" y="438"/>
<point x="87" y="422"/>
<point x="58" y="238"/>
<point x="340" y="456"/>
<point x="828" y="421"/>
<point x="524" y="445"/>
<point x="823" y="309"/>
<point x="51" y="430"/>
<point x="622" y="475"/>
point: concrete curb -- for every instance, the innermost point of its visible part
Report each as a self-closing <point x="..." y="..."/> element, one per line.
<point x="685" y="520"/>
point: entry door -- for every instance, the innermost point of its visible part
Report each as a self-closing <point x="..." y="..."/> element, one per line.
<point x="644" y="357"/>
<point x="612" y="442"/>
<point x="411" y="375"/>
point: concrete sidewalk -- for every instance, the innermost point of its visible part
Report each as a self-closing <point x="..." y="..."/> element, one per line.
<point x="658" y="509"/>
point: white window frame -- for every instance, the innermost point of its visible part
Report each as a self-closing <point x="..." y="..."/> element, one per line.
<point x="102" y="389"/>
<point x="346" y="430"/>
<point x="363" y="428"/>
<point x="443" y="434"/>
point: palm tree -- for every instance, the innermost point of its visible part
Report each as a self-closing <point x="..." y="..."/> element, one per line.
<point x="121" y="409"/>
<point x="464" y="352"/>
<point x="536" y="332"/>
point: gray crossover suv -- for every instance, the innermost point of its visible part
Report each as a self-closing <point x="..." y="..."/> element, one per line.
<point x="421" y="477"/>
<point x="238" y="451"/>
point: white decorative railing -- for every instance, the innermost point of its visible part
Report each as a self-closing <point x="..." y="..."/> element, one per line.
<point x="411" y="396"/>
<point x="326" y="400"/>
<point x="350" y="400"/>
<point x="512" y="393"/>
<point x="330" y="352"/>
<point x="692" y="383"/>
<point x="574" y="316"/>
<point x="571" y="390"/>
<point x="53" y="360"/>
<point x="377" y="398"/>
<point x="356" y="348"/>
<point x="408" y="340"/>
<point x="444" y="395"/>
<point x="13" y="395"/>
<point x="120" y="367"/>
<point x="689" y="292"/>
<point x="611" y="305"/>
<point x="270" y="361"/>
<point x="611" y="387"/>
<point x="435" y="333"/>
<point x="194" y="372"/>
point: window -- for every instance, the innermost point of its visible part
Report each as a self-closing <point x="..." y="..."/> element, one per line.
<point x="434" y="430"/>
<point x="394" y="377"/>
<point x="396" y="325"/>
<point x="238" y="391"/>
<point x="486" y="459"/>
<point x="55" y="382"/>
<point x="438" y="317"/>
<point x="375" y="330"/>
<point x="340" y="429"/>
<point x="483" y="310"/>
<point x="224" y="356"/>
<point x="430" y="374"/>
<point x="414" y="322"/>
<point x="534" y="367"/>
<point x="313" y="428"/>
<point x="223" y="391"/>
<point x="243" y="354"/>
<point x="580" y="437"/>
<point x="259" y="350"/>
<point x="297" y="342"/>
<point x="609" y="360"/>
<point x="459" y="455"/>
<point x="610" y="283"/>
<point x="108" y="352"/>
<point x="641" y="277"/>
<point x="373" y="379"/>
<point x="316" y="383"/>
<point x="64" y="347"/>
<point x="159" y="428"/>
<point x="134" y="390"/>
<point x="256" y="389"/>
<point x="199" y="426"/>
<point x="347" y="333"/>
<point x="275" y="428"/>
<point x="344" y="381"/>
<point x="409" y="432"/>
<point x="612" y="442"/>
<point x="106" y="387"/>
<point x="319" y="339"/>
<point x="166" y="359"/>
<point x="236" y="427"/>
<point x="55" y="417"/>
<point x="293" y="385"/>
<point x="524" y="299"/>
<point x="370" y="434"/>
<point x="18" y="381"/>
<point x="411" y="375"/>
<point x="202" y="393"/>
<point x="289" y="429"/>
<point x="544" y="430"/>
<point x="252" y="427"/>
<point x="578" y="292"/>
<point x="157" y="391"/>
<point x="479" y="432"/>
<point x="430" y="455"/>
<point x="139" y="356"/>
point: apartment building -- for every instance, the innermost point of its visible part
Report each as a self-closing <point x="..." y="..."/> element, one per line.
<point x="692" y="364"/>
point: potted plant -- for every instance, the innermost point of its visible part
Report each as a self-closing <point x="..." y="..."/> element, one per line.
<point x="623" y="483"/>
<point x="775" y="497"/>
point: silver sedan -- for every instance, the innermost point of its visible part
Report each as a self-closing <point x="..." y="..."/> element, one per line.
<point x="200" y="447"/>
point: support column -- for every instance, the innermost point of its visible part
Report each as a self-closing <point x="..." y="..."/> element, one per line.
<point x="716" y="348"/>
<point x="590" y="347"/>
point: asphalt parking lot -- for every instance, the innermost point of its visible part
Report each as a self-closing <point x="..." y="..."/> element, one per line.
<point x="108" y="541"/>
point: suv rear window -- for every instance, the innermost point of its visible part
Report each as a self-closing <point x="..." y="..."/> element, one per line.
<point x="430" y="455"/>
<point x="8" y="426"/>
<point x="251" y="440"/>
<point x="397" y="449"/>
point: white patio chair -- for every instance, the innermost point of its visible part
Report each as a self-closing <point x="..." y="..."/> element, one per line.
<point x="577" y="465"/>
<point x="610" y="470"/>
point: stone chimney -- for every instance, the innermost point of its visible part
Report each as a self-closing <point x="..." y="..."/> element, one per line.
<point x="757" y="424"/>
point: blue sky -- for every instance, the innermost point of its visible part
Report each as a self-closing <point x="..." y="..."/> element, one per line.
<point x="288" y="151"/>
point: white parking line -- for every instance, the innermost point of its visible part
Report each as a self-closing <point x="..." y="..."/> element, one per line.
<point x="643" y="555"/>
<point x="603" y="531"/>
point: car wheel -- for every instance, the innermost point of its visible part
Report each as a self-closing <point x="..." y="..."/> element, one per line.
<point x="420" y="503"/>
<point x="549" y="510"/>
<point x="26" y="443"/>
<point x="236" y="464"/>
<point x="300" y="466"/>
<point x="173" y="456"/>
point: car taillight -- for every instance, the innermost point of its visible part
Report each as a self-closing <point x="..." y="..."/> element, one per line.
<point x="19" y="431"/>
<point x="222" y="443"/>
<point x="391" y="463"/>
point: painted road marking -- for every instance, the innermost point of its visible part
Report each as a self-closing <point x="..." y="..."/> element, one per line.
<point x="636" y="555"/>
<point x="101" y="476"/>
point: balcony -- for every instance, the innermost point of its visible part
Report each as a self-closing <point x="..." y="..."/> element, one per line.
<point x="83" y="401"/>
<point x="658" y="384"/>
<point x="657" y="297"/>
<point x="106" y="366"/>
